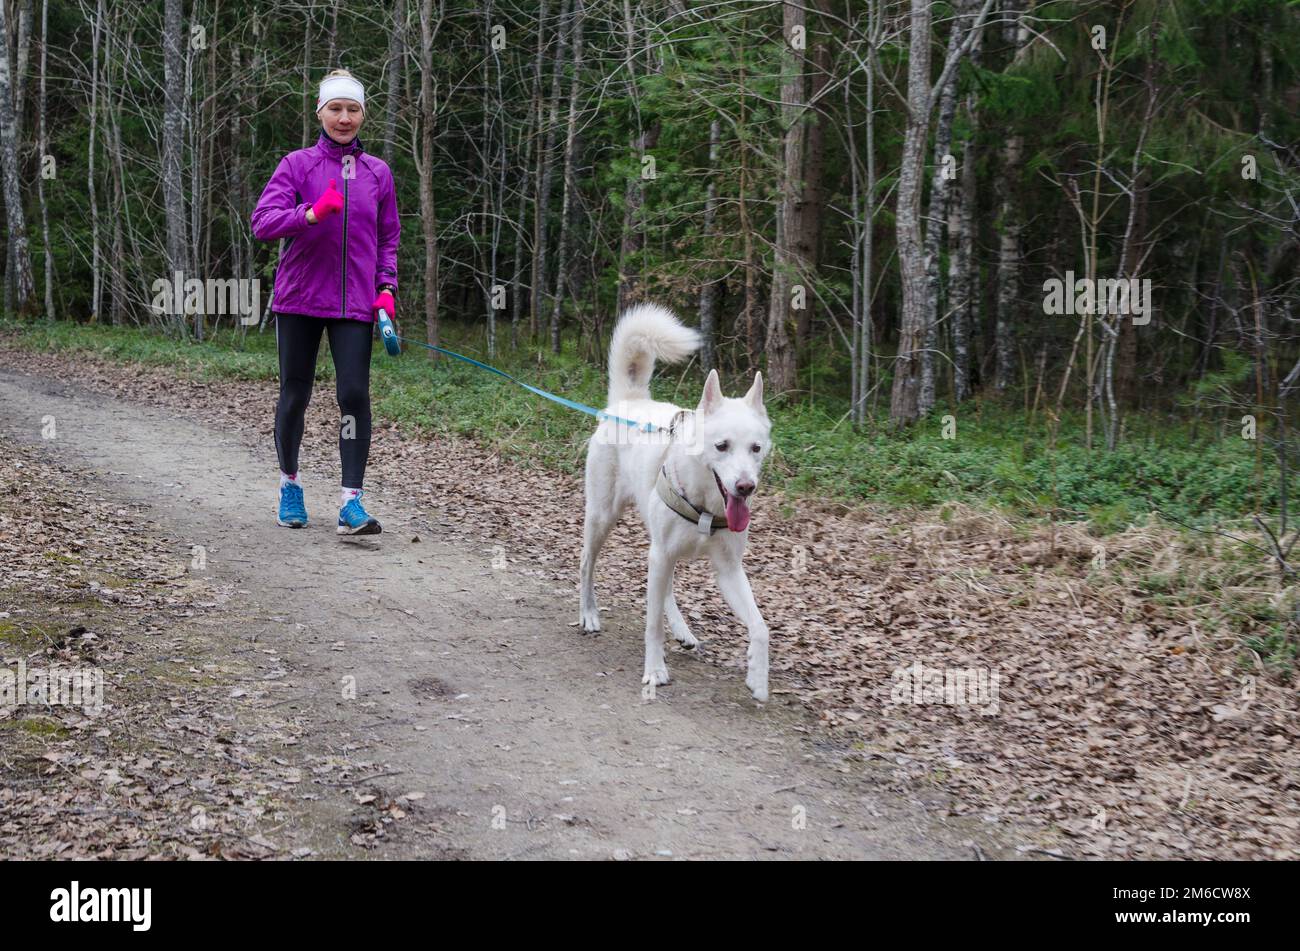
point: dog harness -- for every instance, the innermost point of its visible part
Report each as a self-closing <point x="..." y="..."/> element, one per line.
<point x="706" y="523"/>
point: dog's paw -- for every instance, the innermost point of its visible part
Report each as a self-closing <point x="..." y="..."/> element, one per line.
<point x="684" y="637"/>
<point x="590" y="621"/>
<point x="758" y="687"/>
<point x="656" y="675"/>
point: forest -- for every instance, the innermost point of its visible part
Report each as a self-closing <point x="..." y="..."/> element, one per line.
<point x="877" y="203"/>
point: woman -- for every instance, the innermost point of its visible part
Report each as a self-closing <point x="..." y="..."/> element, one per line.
<point x="335" y="206"/>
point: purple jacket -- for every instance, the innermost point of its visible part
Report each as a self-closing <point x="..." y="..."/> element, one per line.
<point x="332" y="268"/>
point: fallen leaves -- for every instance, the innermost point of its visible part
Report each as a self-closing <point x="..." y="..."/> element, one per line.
<point x="158" y="772"/>
<point x="1120" y="722"/>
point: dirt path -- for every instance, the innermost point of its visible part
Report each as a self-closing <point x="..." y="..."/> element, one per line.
<point x="471" y="686"/>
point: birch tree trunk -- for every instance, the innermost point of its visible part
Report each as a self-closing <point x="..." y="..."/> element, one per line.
<point x="234" y="182"/>
<point x="748" y="314"/>
<point x="527" y="175"/>
<point x="19" y="53"/>
<point x="938" y="215"/>
<point x="173" y="119"/>
<point x="96" y="280"/>
<point x="428" y="213"/>
<point x="43" y="149"/>
<point x="497" y="132"/>
<point x="561" y="271"/>
<point x="24" y="298"/>
<point x="864" y="217"/>
<point x="330" y="59"/>
<point x="542" y="206"/>
<point x="709" y="292"/>
<point x="22" y="54"/>
<point x="113" y="108"/>
<point x="905" y="404"/>
<point x="781" y="365"/>
<point x="962" y="272"/>
<point x="905" y="401"/>
<point x="810" y="208"/>
<point x="114" y="132"/>
<point x="1010" y="227"/>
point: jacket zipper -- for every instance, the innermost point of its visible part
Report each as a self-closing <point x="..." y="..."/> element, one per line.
<point x="343" y="306"/>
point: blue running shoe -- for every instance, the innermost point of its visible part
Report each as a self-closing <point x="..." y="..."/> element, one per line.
<point x="293" y="511"/>
<point x="353" y="519"/>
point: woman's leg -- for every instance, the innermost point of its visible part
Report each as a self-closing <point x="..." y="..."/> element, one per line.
<point x="297" y="338"/>
<point x="350" y="343"/>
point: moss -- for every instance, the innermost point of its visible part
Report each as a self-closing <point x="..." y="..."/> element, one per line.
<point x="27" y="636"/>
<point x="36" y="726"/>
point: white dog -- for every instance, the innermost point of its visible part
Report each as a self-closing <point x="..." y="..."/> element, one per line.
<point x="692" y="477"/>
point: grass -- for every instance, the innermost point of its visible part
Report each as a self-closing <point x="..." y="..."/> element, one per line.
<point x="994" y="458"/>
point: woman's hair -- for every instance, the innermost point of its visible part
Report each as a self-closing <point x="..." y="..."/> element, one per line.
<point x="339" y="72"/>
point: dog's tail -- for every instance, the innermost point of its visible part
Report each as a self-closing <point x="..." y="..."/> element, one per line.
<point x="645" y="333"/>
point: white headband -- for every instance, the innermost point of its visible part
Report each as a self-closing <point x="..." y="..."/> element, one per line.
<point x="340" y="87"/>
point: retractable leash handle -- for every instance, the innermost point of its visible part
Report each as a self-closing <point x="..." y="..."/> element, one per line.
<point x="389" y="334"/>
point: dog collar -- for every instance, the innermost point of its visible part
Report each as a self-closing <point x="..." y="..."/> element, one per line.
<point x="706" y="523"/>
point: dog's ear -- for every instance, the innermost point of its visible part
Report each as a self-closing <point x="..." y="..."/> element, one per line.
<point x="755" y="395"/>
<point x="712" y="397"/>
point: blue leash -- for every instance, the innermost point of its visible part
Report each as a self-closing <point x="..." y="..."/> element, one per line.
<point x="388" y="333"/>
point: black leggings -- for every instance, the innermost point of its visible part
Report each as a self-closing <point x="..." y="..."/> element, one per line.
<point x="298" y="339"/>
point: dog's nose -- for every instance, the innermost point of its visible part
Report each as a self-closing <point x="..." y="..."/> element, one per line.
<point x="744" y="489"/>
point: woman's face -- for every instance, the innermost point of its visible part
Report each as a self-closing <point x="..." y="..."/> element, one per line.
<point x="341" y="119"/>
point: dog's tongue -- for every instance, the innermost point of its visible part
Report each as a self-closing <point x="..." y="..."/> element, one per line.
<point x="737" y="513"/>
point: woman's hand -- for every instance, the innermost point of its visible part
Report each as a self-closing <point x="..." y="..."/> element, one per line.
<point x="329" y="203"/>
<point x="385" y="300"/>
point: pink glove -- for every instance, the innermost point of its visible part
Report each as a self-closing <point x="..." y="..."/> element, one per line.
<point x="385" y="300"/>
<point x="329" y="203"/>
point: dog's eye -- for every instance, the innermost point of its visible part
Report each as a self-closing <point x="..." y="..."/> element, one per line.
<point x="756" y="448"/>
<point x="722" y="446"/>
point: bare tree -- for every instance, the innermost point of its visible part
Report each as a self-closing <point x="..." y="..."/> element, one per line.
<point x="863" y="177"/>
<point x="962" y="267"/>
<point x="936" y="219"/>
<point x="1011" y="226"/>
<point x="633" y="237"/>
<point x="570" y="183"/>
<point x="786" y="266"/>
<point x="43" y="149"/>
<point x="526" y="176"/>
<point x="709" y="289"/>
<point x="424" y="161"/>
<point x="20" y="256"/>
<point x="545" y="175"/>
<point x="173" y="141"/>
<point x="905" y="402"/>
<point x="395" y="66"/>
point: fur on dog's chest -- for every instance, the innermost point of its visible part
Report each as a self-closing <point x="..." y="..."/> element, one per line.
<point x="693" y="545"/>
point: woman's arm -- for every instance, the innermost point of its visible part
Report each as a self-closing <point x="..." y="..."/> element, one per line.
<point x="390" y="231"/>
<point x="277" y="215"/>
